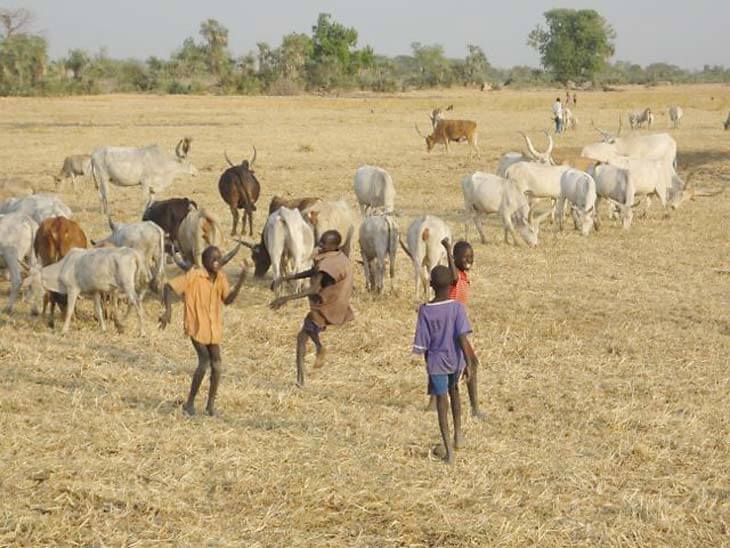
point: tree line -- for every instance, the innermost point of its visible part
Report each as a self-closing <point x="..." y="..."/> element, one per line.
<point x="574" y="45"/>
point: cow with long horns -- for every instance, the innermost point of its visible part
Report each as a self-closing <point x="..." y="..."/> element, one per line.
<point x="240" y="189"/>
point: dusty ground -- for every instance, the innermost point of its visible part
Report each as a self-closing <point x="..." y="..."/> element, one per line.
<point x="605" y="359"/>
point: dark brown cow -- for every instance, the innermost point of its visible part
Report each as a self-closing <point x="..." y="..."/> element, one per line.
<point x="240" y="189"/>
<point x="55" y="237"/>
<point x="292" y="203"/>
<point x="168" y="214"/>
<point x="452" y="130"/>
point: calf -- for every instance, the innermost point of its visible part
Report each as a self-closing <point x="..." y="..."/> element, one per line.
<point x="17" y="232"/>
<point x="425" y="249"/>
<point x="240" y="189"/>
<point x="578" y="188"/>
<point x="378" y="240"/>
<point x="93" y="271"/>
<point x="56" y="236"/>
<point x="77" y="164"/>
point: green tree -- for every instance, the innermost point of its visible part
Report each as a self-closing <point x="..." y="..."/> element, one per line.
<point x="432" y="68"/>
<point x="575" y="45"/>
<point x="476" y="66"/>
<point x="216" y="46"/>
<point x="78" y="61"/>
<point x="23" y="63"/>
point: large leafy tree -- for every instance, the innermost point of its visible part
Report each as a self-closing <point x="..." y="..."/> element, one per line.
<point x="216" y="46"/>
<point x="575" y="44"/>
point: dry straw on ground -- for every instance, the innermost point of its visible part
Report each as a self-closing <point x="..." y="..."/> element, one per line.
<point x="605" y="359"/>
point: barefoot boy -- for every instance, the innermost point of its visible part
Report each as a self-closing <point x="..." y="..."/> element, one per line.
<point x="441" y="332"/>
<point x="329" y="295"/>
<point x="203" y="290"/>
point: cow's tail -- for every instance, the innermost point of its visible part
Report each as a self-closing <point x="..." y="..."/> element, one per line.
<point x="405" y="248"/>
<point x="392" y="243"/>
<point x="161" y="258"/>
<point x="143" y="270"/>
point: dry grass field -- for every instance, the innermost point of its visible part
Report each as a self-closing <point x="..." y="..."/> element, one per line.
<point x="605" y="360"/>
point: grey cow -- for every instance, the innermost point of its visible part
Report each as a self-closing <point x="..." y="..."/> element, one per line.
<point x="148" y="167"/>
<point x="17" y="232"/>
<point x="378" y="241"/>
<point x="73" y="166"/>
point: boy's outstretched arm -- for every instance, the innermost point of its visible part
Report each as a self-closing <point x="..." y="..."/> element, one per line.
<point x="314" y="287"/>
<point x="298" y="276"/>
<point x="450" y="256"/>
<point x="234" y="292"/>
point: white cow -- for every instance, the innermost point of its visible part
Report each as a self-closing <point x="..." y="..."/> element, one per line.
<point x="38" y="206"/>
<point x="675" y="115"/>
<point x="649" y="177"/>
<point x="290" y="242"/>
<point x="378" y="240"/>
<point x="13" y="187"/>
<point x="614" y="185"/>
<point x="198" y="230"/>
<point x="657" y="146"/>
<point x="148" y="167"/>
<point x="326" y="215"/>
<point x="640" y="118"/>
<point x="92" y="271"/>
<point x="147" y="238"/>
<point x="374" y="189"/>
<point x="578" y="188"/>
<point x="485" y="194"/>
<point x="537" y="180"/>
<point x="425" y="249"/>
<point x="17" y="233"/>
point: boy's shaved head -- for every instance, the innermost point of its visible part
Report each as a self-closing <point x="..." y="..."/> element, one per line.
<point x="461" y="247"/>
<point x="330" y="240"/>
<point x="440" y="277"/>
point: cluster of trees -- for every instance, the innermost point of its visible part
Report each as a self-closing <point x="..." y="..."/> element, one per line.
<point x="574" y="45"/>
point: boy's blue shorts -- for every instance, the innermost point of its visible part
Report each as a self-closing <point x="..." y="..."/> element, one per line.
<point x="438" y="385"/>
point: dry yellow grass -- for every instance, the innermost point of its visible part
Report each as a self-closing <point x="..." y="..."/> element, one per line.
<point x="605" y="359"/>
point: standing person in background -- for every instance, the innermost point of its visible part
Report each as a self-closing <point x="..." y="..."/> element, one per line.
<point x="558" y="115"/>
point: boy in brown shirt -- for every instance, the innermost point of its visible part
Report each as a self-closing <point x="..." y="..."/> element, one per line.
<point x="205" y="291"/>
<point x="329" y="297"/>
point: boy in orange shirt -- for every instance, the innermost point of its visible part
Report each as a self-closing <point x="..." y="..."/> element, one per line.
<point x="204" y="292"/>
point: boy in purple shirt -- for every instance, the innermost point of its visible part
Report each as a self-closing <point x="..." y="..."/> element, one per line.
<point x="441" y="336"/>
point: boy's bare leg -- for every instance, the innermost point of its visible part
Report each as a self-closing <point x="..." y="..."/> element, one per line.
<point x="471" y="386"/>
<point x="302" y="337"/>
<point x="319" y="350"/>
<point x="455" y="398"/>
<point x="216" y="369"/>
<point x="203" y="363"/>
<point x="442" y="406"/>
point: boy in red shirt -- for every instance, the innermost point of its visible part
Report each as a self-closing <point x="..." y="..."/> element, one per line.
<point x="460" y="262"/>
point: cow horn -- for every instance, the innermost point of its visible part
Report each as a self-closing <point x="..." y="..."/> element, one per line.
<point x="177" y="150"/>
<point x="535" y="155"/>
<point x="605" y="134"/>
<point x="253" y="158"/>
<point x="232" y="253"/>
<point x="704" y="193"/>
<point x="228" y="159"/>
<point x="419" y="131"/>
<point x="186" y="145"/>
<point x="111" y="223"/>
<point x="551" y="144"/>
<point x="620" y="126"/>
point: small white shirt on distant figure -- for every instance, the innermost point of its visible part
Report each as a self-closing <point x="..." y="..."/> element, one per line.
<point x="558" y="109"/>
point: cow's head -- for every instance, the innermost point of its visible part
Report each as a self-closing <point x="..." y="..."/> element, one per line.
<point x="430" y="139"/>
<point x="32" y="287"/>
<point x="542" y="157"/>
<point x="247" y="165"/>
<point x="260" y="257"/>
<point x="181" y="153"/>
<point x="584" y="220"/>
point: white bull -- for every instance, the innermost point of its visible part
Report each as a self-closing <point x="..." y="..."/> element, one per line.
<point x="327" y="215"/>
<point x="511" y="158"/>
<point x="37" y="206"/>
<point x="198" y="230"/>
<point x="675" y="115"/>
<point x="148" y="167"/>
<point x="374" y="189"/>
<point x="578" y="188"/>
<point x="96" y="272"/>
<point x="378" y="241"/>
<point x="17" y="233"/>
<point x="614" y="185"/>
<point x="425" y="250"/>
<point x="537" y="180"/>
<point x="657" y="146"/>
<point x="640" y="118"/>
<point x="486" y="194"/>
<point x="290" y="243"/>
<point x="147" y="238"/>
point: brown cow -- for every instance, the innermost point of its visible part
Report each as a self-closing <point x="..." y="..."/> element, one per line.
<point x="292" y="203"/>
<point x="452" y="130"/>
<point x="55" y="237"/>
<point x="240" y="189"/>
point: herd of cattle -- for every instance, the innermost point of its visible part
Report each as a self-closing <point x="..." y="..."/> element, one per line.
<point x="38" y="238"/>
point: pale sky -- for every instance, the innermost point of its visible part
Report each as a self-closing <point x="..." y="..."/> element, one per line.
<point x="685" y="33"/>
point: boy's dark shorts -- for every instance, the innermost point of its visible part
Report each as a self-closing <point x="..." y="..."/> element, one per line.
<point x="438" y="385"/>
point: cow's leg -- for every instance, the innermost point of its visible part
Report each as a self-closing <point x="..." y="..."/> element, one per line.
<point x="425" y="274"/>
<point x="250" y="223"/>
<point x="417" y="272"/>
<point x="366" y="270"/>
<point x="11" y="259"/>
<point x="560" y="206"/>
<point x="146" y="195"/>
<point x="102" y="185"/>
<point x="99" y="311"/>
<point x="73" y="294"/>
<point x="73" y="181"/>
<point x="234" y="216"/>
<point x="380" y="274"/>
<point x="480" y="228"/>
